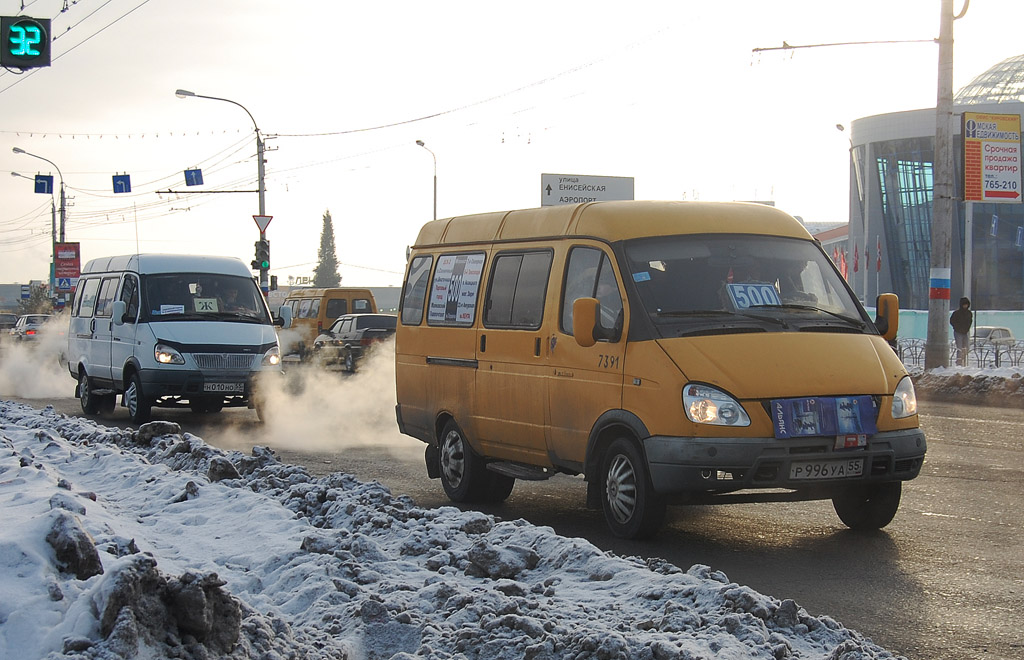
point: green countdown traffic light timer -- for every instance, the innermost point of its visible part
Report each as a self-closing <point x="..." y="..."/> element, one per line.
<point x="24" y="42"/>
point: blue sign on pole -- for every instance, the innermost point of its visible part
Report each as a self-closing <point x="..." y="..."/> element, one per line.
<point x="44" y="184"/>
<point x="26" y="292"/>
<point x="193" y="177"/>
<point x="122" y="183"/>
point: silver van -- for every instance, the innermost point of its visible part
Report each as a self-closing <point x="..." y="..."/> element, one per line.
<point x="170" y="331"/>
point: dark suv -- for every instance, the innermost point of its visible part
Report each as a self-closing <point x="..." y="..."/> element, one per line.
<point x="349" y="337"/>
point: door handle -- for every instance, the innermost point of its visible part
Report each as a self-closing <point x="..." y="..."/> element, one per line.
<point x="483" y="343"/>
<point x="536" y="347"/>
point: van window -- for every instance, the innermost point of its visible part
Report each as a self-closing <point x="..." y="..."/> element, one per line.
<point x="360" y="306"/>
<point x="590" y="274"/>
<point x="517" y="289"/>
<point x="453" y="294"/>
<point x="416" y="290"/>
<point x="106" y="297"/>
<point x="314" y="309"/>
<point x="304" y="308"/>
<point x="337" y="307"/>
<point x="130" y="297"/>
<point x="87" y="295"/>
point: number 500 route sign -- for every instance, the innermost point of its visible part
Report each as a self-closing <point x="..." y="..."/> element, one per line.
<point x="992" y="158"/>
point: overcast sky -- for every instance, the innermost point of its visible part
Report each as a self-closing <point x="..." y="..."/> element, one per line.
<point x="669" y="93"/>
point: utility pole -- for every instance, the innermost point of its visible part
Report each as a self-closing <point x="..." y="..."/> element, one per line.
<point x="936" y="351"/>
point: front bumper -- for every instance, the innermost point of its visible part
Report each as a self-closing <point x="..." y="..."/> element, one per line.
<point x="690" y="465"/>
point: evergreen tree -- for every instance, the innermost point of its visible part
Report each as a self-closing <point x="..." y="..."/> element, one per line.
<point x="326" y="272"/>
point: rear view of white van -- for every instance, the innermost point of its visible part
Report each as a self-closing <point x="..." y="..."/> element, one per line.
<point x="170" y="331"/>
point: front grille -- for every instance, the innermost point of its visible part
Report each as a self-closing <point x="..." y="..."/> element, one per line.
<point x="241" y="361"/>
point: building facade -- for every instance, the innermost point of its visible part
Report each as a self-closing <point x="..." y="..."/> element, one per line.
<point x="891" y="161"/>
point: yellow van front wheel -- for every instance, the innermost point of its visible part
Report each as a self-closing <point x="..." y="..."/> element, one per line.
<point x="631" y="507"/>
<point x="869" y="507"/>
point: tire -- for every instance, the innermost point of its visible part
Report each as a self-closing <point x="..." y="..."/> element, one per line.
<point x="350" y="362"/>
<point x="631" y="507"/>
<point x="90" y="403"/>
<point x="869" y="507"/>
<point x="463" y="474"/>
<point x="139" y="407"/>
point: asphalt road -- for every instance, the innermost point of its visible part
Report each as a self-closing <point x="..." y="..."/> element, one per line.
<point x="944" y="580"/>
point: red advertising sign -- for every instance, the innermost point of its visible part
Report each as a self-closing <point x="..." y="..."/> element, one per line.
<point x="67" y="265"/>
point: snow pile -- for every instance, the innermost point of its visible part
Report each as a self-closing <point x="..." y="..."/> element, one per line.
<point x="204" y="553"/>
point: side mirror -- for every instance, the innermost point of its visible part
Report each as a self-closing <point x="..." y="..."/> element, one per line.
<point x="118" y="310"/>
<point x="887" y="315"/>
<point x="285" y="317"/>
<point x="584" y="321"/>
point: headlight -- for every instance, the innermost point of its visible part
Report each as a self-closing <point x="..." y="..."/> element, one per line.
<point x="707" y="405"/>
<point x="904" y="399"/>
<point x="272" y="358"/>
<point x="164" y="354"/>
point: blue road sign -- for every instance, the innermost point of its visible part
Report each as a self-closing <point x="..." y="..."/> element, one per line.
<point x="26" y="292"/>
<point x="64" y="283"/>
<point x="122" y="183"/>
<point x="193" y="177"/>
<point x="44" y="184"/>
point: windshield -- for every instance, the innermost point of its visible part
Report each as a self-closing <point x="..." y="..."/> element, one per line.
<point x="204" y="297"/>
<point x="721" y="280"/>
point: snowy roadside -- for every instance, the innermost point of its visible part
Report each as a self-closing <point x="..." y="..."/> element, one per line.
<point x="206" y="553"/>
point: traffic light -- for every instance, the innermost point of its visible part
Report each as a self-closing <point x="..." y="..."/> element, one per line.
<point x="24" y="42"/>
<point x="262" y="261"/>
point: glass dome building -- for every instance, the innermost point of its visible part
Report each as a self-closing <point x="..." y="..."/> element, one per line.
<point x="891" y="158"/>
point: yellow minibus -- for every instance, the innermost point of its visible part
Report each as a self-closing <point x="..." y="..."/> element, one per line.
<point x="669" y="352"/>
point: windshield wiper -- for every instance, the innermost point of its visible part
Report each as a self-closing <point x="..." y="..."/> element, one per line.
<point x="683" y="313"/>
<point x="812" y="308"/>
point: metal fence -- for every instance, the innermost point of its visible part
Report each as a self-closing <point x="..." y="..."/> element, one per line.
<point x="911" y="352"/>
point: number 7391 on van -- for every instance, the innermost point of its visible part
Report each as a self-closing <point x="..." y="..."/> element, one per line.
<point x="668" y="352"/>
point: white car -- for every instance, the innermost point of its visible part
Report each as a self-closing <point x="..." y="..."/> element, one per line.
<point x="992" y="334"/>
<point x="28" y="326"/>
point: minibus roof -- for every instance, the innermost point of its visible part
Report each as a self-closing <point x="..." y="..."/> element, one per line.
<point x="167" y="263"/>
<point x="613" y="221"/>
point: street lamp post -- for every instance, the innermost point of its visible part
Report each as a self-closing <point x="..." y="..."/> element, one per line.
<point x="53" y="236"/>
<point x="420" y="143"/>
<point x="184" y="93"/>
<point x="53" y="218"/>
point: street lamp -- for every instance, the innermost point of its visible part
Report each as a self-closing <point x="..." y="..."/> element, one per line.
<point x="420" y="143"/>
<point x="184" y="93"/>
<point x="63" y="210"/>
<point x="53" y="236"/>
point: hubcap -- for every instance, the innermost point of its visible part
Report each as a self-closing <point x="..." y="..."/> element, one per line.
<point x="131" y="397"/>
<point x="453" y="459"/>
<point x="620" y="488"/>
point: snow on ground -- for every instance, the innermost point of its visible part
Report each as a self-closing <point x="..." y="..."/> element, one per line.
<point x="152" y="544"/>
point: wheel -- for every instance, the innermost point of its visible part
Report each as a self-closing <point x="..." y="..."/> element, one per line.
<point x="90" y="403"/>
<point x="631" y="507"/>
<point x="869" y="507"/>
<point x="462" y="472"/>
<point x="350" y="362"/>
<point x="139" y="407"/>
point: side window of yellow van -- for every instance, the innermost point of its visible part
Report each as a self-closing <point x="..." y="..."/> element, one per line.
<point x="590" y="275"/>
<point x="314" y="309"/>
<point x="304" y="308"/>
<point x="360" y="306"/>
<point x="415" y="293"/>
<point x="453" y="293"/>
<point x="336" y="307"/>
<point x="517" y="289"/>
